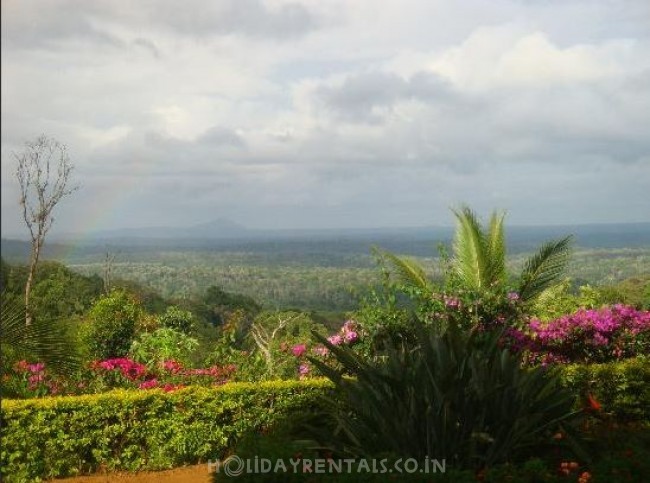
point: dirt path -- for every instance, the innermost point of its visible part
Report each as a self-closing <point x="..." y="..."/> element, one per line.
<point x="187" y="474"/>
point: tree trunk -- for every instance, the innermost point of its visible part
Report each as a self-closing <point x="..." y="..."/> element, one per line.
<point x="36" y="251"/>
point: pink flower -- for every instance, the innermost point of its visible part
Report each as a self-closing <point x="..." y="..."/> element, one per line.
<point x="350" y="337"/>
<point x="299" y="349"/>
<point x="451" y="302"/>
<point x="150" y="384"/>
<point x="321" y="350"/>
<point x="172" y="366"/>
<point x="513" y="296"/>
<point x="335" y="339"/>
<point x="303" y="370"/>
<point x="35" y="368"/>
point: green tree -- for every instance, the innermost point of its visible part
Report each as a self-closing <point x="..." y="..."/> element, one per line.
<point x="112" y="324"/>
<point x="178" y="319"/>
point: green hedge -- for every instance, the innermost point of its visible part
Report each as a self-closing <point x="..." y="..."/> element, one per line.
<point x="622" y="388"/>
<point x="131" y="430"/>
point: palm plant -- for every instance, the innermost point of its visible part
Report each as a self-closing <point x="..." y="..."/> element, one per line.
<point x="41" y="341"/>
<point x="479" y="260"/>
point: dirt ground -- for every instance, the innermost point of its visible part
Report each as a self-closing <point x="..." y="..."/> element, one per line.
<point x="188" y="474"/>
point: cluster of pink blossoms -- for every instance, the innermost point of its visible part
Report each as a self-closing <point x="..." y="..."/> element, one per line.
<point x="128" y="368"/>
<point x="601" y="335"/>
<point x="36" y="376"/>
<point x="347" y="335"/>
<point x="134" y="371"/>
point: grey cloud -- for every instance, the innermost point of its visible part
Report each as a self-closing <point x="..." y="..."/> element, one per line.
<point x="219" y="136"/>
<point x="359" y="95"/>
<point x="247" y="17"/>
<point x="28" y="25"/>
<point x="148" y="46"/>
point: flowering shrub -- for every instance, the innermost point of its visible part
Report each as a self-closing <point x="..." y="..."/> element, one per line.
<point x="602" y="335"/>
<point x="33" y="380"/>
<point x="348" y="334"/>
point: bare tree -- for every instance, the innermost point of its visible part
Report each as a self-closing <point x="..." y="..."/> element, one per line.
<point x="107" y="270"/>
<point x="43" y="173"/>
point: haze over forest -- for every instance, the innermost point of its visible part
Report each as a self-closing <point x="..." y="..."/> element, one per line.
<point x="292" y="114"/>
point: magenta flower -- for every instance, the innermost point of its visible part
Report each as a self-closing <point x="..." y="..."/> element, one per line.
<point x="299" y="349"/>
<point x="150" y="384"/>
<point x="35" y="368"/>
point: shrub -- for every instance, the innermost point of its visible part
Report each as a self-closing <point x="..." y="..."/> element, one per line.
<point x="622" y="388"/>
<point x="178" y="319"/>
<point x="602" y="335"/>
<point x="136" y="430"/>
<point x="112" y="325"/>
<point x="163" y="345"/>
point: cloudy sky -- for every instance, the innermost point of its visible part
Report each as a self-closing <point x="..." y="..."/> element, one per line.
<point x="332" y="113"/>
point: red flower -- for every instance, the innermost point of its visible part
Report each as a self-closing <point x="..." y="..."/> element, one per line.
<point x="593" y="404"/>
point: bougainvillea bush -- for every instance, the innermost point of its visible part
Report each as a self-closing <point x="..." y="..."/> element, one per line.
<point x="34" y="380"/>
<point x="588" y="336"/>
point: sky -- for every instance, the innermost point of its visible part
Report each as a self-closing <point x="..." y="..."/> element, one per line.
<point x="331" y="113"/>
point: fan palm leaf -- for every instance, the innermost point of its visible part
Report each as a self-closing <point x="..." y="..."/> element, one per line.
<point x="41" y="341"/>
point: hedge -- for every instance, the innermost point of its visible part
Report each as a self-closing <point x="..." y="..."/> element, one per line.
<point x="622" y="388"/>
<point x="137" y="430"/>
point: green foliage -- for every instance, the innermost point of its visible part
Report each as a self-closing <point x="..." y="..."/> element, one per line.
<point x="621" y="387"/>
<point x="137" y="430"/>
<point x="57" y="294"/>
<point x="40" y="341"/>
<point x="112" y="324"/>
<point x="178" y="319"/>
<point x="456" y="396"/>
<point x="479" y="256"/>
<point x="559" y="300"/>
<point x="163" y="344"/>
<point x="544" y="268"/>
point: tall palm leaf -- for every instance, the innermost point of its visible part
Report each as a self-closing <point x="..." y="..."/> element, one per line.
<point x="496" y="249"/>
<point x="544" y="269"/>
<point x="471" y="251"/>
<point x="40" y="341"/>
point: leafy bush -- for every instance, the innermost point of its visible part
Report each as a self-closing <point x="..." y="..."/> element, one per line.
<point x="454" y="396"/>
<point x="602" y="335"/>
<point x="163" y="345"/>
<point x="621" y="388"/>
<point x="112" y="325"/>
<point x="178" y="319"/>
<point x="135" y="430"/>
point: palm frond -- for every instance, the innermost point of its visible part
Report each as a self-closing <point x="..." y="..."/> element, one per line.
<point x="470" y="254"/>
<point x="544" y="269"/>
<point x="40" y="341"/>
<point x="496" y="248"/>
<point x="408" y="271"/>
